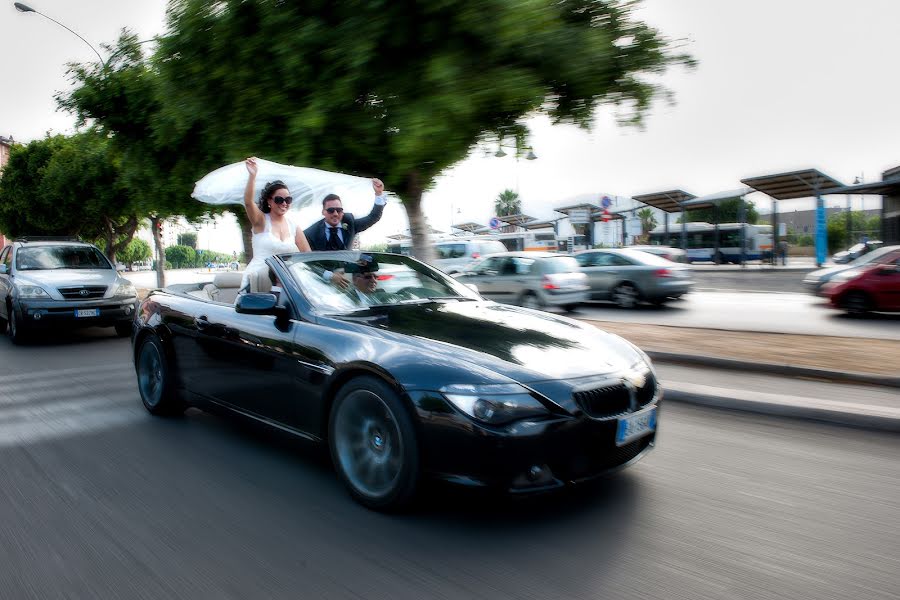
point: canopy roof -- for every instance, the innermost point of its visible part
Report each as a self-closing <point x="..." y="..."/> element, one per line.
<point x="584" y="205"/>
<point x="710" y="200"/>
<point x="539" y="224"/>
<point x="516" y="219"/>
<point x="669" y="201"/>
<point x="880" y="188"/>
<point x="794" y="184"/>
<point x="469" y="227"/>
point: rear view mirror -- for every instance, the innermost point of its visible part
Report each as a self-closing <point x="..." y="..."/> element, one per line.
<point x="4" y="270"/>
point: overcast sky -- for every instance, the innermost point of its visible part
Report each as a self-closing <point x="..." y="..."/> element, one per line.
<point x="781" y="85"/>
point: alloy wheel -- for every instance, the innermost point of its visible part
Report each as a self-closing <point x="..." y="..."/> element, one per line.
<point x="151" y="378"/>
<point x="625" y="296"/>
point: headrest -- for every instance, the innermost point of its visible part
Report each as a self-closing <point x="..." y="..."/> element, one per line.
<point x="229" y="279"/>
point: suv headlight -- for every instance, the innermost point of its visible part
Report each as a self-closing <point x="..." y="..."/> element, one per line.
<point x="126" y="289"/>
<point x="32" y="291"/>
<point x="494" y="404"/>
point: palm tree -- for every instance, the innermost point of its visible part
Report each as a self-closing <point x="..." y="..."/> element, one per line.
<point x="648" y="219"/>
<point x="507" y="203"/>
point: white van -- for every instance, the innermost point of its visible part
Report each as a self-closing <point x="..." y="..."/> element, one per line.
<point x="452" y="256"/>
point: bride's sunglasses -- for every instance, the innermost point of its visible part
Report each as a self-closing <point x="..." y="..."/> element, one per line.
<point x="285" y="200"/>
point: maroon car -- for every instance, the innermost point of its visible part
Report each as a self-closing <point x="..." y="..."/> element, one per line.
<point x="873" y="287"/>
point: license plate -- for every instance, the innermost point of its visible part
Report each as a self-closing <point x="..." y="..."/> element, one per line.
<point x="635" y="426"/>
<point x="87" y="312"/>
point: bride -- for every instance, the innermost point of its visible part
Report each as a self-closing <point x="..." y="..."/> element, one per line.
<point x="273" y="232"/>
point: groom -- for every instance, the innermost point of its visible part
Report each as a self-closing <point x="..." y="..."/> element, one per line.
<point x="336" y="230"/>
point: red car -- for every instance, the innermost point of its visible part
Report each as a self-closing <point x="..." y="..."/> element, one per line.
<point x="873" y="287"/>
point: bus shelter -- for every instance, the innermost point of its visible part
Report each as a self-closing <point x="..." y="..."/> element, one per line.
<point x="807" y="183"/>
<point x="889" y="189"/>
<point x="669" y="202"/>
<point x="713" y="201"/>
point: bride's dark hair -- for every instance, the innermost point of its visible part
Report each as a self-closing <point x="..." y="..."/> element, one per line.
<point x="267" y="192"/>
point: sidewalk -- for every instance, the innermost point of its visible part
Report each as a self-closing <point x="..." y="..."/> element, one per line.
<point x="865" y="369"/>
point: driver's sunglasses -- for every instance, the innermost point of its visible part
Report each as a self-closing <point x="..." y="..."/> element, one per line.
<point x="334" y="209"/>
<point x="285" y="200"/>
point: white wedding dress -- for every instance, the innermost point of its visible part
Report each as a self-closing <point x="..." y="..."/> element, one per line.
<point x="266" y="244"/>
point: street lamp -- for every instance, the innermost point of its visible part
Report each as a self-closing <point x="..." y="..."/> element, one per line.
<point x="24" y="8"/>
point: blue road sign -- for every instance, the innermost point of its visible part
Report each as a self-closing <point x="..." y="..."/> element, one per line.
<point x="605" y="202"/>
<point x="495" y="223"/>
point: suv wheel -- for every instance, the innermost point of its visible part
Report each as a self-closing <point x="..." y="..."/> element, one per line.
<point x="18" y="332"/>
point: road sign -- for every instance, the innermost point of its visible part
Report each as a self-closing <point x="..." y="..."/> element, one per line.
<point x="605" y="202"/>
<point x="605" y="216"/>
<point x="495" y="223"/>
<point x="579" y="216"/>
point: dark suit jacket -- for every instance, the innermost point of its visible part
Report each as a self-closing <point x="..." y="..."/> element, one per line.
<point x="315" y="233"/>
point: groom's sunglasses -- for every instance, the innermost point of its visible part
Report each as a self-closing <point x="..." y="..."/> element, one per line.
<point x="334" y="209"/>
<point x="279" y="200"/>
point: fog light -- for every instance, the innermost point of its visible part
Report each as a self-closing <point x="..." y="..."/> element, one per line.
<point x="535" y="476"/>
<point x="128" y="310"/>
<point x="37" y="316"/>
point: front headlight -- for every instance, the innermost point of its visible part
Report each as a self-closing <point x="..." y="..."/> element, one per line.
<point x="126" y="289"/>
<point x="32" y="291"/>
<point x="494" y="404"/>
<point x="845" y="276"/>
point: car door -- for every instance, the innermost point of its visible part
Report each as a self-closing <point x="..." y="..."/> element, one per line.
<point x="886" y="286"/>
<point x="600" y="271"/>
<point x="246" y="362"/>
<point x="485" y="276"/>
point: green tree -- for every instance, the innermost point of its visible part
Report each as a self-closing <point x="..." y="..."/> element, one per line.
<point x="188" y="239"/>
<point x="648" y="219"/>
<point x="136" y="250"/>
<point x="71" y="185"/>
<point x="181" y="256"/>
<point x="861" y="225"/>
<point x="507" y="203"/>
<point x="401" y="90"/>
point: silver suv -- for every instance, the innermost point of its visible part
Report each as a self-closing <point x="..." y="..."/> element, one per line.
<point x="532" y="279"/>
<point x="49" y="283"/>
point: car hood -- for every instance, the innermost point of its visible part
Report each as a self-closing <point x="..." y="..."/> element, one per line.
<point x="527" y="345"/>
<point x="826" y="273"/>
<point x="64" y="277"/>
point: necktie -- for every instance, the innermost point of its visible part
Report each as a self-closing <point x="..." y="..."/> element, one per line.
<point x="333" y="242"/>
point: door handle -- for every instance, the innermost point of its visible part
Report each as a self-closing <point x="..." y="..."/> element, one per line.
<point x="205" y="326"/>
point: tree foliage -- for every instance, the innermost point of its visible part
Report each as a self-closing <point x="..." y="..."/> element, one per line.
<point x="507" y="203"/>
<point x="648" y="219"/>
<point x="68" y="186"/>
<point x="188" y="239"/>
<point x="181" y="256"/>
<point x="136" y="250"/>
<point x="726" y="212"/>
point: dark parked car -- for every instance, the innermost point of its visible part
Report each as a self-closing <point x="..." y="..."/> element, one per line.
<point x="855" y="251"/>
<point x="817" y="279"/>
<point x="873" y="287"/>
<point x="46" y="284"/>
<point x="628" y="277"/>
<point x="431" y="381"/>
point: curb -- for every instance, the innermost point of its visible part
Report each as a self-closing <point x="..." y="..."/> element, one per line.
<point x="774" y="369"/>
<point x="827" y="411"/>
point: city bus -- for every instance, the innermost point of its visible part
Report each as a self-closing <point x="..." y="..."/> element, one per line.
<point x="701" y="241"/>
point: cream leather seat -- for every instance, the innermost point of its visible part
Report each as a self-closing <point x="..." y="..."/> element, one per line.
<point x="225" y="287"/>
<point x="260" y="282"/>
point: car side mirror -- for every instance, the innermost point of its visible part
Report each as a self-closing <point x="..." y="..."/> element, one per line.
<point x="885" y="270"/>
<point x="4" y="270"/>
<point x="256" y="304"/>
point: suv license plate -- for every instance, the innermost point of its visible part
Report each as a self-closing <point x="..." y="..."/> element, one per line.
<point x="87" y="312"/>
<point x="635" y="426"/>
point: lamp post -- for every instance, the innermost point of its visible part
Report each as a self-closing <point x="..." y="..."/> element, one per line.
<point x="24" y="8"/>
<point x="500" y="154"/>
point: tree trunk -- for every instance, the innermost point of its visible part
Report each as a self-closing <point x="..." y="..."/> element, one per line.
<point x="418" y="227"/>
<point x="160" y="252"/>
<point x="246" y="233"/>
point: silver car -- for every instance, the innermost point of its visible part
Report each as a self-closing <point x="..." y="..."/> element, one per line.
<point x="531" y="279"/>
<point x="46" y="284"/>
<point x="455" y="255"/>
<point x="628" y="277"/>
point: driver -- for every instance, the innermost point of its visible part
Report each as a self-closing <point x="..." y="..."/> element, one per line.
<point x="365" y="281"/>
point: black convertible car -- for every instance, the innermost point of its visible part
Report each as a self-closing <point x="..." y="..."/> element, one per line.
<point x="403" y="371"/>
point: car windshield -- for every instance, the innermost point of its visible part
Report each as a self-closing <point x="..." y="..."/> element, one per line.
<point x="647" y="258"/>
<point x="875" y="255"/>
<point x="559" y="264"/>
<point x="375" y="279"/>
<point x="42" y="258"/>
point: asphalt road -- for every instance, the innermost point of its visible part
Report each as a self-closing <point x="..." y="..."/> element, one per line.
<point x="100" y="500"/>
<point x="770" y="312"/>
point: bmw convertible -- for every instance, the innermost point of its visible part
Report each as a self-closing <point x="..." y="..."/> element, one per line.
<point x="404" y="372"/>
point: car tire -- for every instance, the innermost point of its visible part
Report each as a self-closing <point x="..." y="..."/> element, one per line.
<point x="155" y="379"/>
<point x="570" y="308"/>
<point x="3" y="324"/>
<point x="123" y="328"/>
<point x="531" y="300"/>
<point x="857" y="303"/>
<point x="373" y="444"/>
<point x="18" y="332"/>
<point x="625" y="295"/>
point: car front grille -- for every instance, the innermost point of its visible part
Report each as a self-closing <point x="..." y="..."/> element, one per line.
<point x="615" y="399"/>
<point x="607" y="401"/>
<point x="83" y="292"/>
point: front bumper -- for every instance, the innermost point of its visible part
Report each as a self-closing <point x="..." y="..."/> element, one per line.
<point x="525" y="457"/>
<point x="39" y="313"/>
